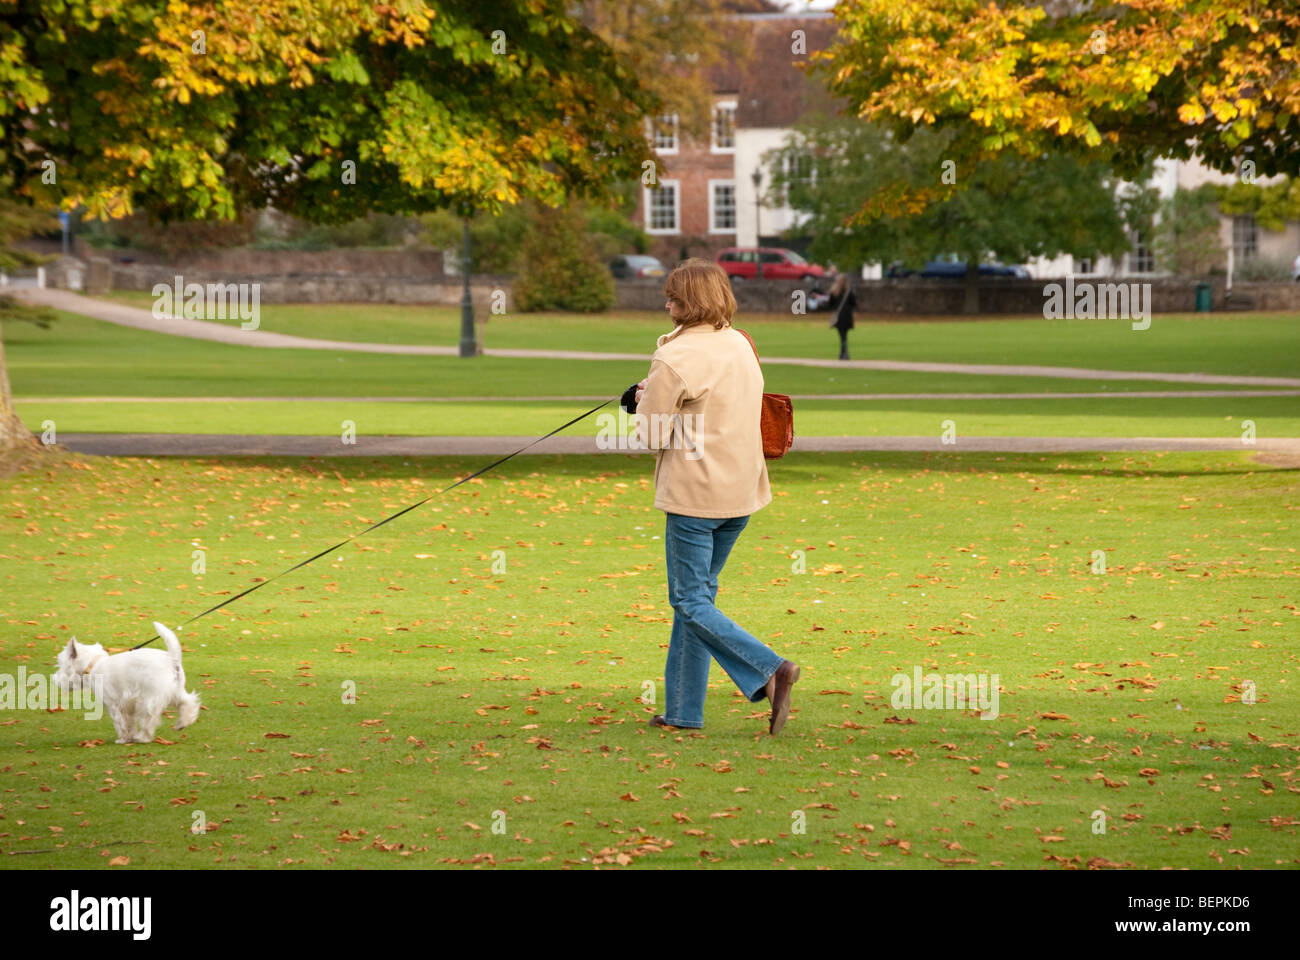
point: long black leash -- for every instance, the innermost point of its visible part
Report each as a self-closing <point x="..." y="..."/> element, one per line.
<point x="376" y="526"/>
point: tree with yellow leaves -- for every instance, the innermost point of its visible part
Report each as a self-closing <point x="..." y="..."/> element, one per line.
<point x="1219" y="79"/>
<point x="324" y="109"/>
<point x="327" y="109"/>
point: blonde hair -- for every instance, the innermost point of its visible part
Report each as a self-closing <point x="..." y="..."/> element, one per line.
<point x="704" y="292"/>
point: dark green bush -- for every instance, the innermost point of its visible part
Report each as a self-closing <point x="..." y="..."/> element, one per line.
<point x="560" y="266"/>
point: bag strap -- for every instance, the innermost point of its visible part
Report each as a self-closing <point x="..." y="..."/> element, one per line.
<point x="844" y="298"/>
<point x="751" y="345"/>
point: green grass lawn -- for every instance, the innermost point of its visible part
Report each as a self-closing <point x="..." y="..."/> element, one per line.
<point x="1104" y="417"/>
<point x="510" y="695"/>
<point x="1252" y="344"/>
<point x="78" y="357"/>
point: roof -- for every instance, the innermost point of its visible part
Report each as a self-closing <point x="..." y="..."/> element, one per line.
<point x="774" y="89"/>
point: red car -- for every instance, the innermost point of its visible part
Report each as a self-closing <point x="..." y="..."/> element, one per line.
<point x="778" y="263"/>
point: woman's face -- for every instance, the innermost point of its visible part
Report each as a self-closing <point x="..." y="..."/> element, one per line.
<point x="674" y="310"/>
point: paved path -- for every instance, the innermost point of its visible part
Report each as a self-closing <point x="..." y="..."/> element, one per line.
<point x="203" y="330"/>
<point x="247" y="445"/>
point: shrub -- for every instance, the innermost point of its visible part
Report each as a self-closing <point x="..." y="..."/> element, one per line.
<point x="613" y="234"/>
<point x="1262" y="270"/>
<point x="560" y="267"/>
<point x="497" y="239"/>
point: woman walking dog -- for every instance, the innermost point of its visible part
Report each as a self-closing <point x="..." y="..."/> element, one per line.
<point x="699" y="407"/>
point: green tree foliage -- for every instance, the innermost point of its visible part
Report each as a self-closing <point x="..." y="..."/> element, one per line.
<point x="1271" y="205"/>
<point x="1006" y="207"/>
<point x="560" y="268"/>
<point x="497" y="238"/>
<point x="1214" y="78"/>
<point x="326" y="109"/>
<point x="374" y="231"/>
<point x="612" y="232"/>
<point x="1188" y="239"/>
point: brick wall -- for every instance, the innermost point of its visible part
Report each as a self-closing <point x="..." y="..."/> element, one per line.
<point x="692" y="168"/>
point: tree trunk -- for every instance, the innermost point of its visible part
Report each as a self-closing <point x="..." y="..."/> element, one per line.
<point x="971" y="301"/>
<point x="13" y="433"/>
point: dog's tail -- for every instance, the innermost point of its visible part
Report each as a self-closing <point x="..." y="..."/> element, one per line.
<point x="189" y="702"/>
<point x="173" y="648"/>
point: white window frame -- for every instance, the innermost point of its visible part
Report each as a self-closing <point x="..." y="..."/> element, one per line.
<point x="735" y="207"/>
<point x="1245" y="233"/>
<point x="787" y="167"/>
<point x="1142" y="250"/>
<point x="713" y="128"/>
<point x="677" y="209"/>
<point x="652" y="124"/>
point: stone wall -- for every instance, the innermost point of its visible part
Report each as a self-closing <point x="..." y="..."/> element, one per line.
<point x="1266" y="296"/>
<point x="878" y="299"/>
<point x="421" y="265"/>
<point x="918" y="297"/>
<point x="320" y="288"/>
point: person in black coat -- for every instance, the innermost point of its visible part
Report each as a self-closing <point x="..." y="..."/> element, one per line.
<point x="841" y="305"/>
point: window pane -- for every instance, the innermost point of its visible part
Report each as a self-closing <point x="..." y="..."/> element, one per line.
<point x="663" y="207"/>
<point x="724" y="127"/>
<point x="1142" y="259"/>
<point x="724" y="206"/>
<point x="665" y="132"/>
<point x="1245" y="237"/>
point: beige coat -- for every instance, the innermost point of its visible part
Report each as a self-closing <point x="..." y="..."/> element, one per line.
<point x="701" y="410"/>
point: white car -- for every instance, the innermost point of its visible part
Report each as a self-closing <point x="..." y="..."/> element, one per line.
<point x="1295" y="270"/>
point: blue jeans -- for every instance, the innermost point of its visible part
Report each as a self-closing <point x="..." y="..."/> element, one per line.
<point x="697" y="549"/>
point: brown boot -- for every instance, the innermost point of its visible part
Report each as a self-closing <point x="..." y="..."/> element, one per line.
<point x="778" y="694"/>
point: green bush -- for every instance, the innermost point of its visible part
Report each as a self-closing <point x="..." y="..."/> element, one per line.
<point x="377" y="230"/>
<point x="613" y="234"/>
<point x="139" y="232"/>
<point x="1187" y="238"/>
<point x="561" y="269"/>
<point x="497" y="240"/>
<point x="1262" y="270"/>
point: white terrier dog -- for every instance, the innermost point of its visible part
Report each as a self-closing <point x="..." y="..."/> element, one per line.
<point x="137" y="686"/>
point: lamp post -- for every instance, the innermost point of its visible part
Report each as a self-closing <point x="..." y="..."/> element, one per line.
<point x="468" y="347"/>
<point x="757" y="179"/>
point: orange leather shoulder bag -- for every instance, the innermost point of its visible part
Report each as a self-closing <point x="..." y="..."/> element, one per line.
<point x="777" y="418"/>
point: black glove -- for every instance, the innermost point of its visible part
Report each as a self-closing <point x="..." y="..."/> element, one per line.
<point x="628" y="401"/>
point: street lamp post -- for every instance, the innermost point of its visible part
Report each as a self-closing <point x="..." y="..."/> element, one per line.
<point x="757" y="179"/>
<point x="468" y="346"/>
